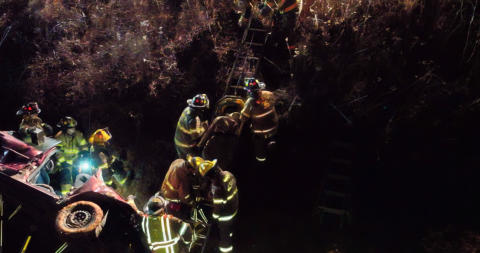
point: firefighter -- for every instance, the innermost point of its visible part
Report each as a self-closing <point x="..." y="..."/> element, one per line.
<point x="195" y="180"/>
<point x="72" y="143"/>
<point x="280" y="15"/>
<point x="103" y="158"/>
<point x="31" y="121"/>
<point x="259" y="111"/>
<point x="191" y="126"/>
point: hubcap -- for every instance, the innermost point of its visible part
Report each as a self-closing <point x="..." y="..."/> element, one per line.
<point x="78" y="219"/>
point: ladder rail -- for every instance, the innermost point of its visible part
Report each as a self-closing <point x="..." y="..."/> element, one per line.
<point x="245" y="65"/>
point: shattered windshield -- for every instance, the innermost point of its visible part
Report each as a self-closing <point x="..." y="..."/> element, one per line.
<point x="10" y="156"/>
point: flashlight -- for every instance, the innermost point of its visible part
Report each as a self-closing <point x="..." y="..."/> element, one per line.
<point x="85" y="166"/>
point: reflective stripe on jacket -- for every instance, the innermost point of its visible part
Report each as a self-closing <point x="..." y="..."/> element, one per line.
<point x="166" y="234"/>
<point x="190" y="128"/>
<point x="262" y="113"/>
<point x="225" y="199"/>
<point x="70" y="145"/>
<point x="176" y="186"/>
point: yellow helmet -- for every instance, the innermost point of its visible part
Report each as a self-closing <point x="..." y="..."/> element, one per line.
<point x="201" y="165"/>
<point x="100" y="137"/>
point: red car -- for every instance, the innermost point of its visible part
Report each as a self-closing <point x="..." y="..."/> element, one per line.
<point x="92" y="213"/>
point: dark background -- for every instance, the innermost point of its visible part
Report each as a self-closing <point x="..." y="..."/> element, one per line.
<point x="406" y="73"/>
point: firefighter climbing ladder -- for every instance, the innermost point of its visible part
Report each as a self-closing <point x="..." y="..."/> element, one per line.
<point x="337" y="183"/>
<point x="246" y="62"/>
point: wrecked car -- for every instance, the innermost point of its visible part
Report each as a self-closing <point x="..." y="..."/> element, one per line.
<point x="92" y="217"/>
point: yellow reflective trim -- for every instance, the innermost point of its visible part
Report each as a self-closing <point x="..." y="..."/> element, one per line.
<point x="163" y="233"/>
<point x="265" y="131"/>
<point x="170" y="236"/>
<point x="148" y="231"/>
<point x="183" y="145"/>
<point x="122" y="182"/>
<point x="227" y="177"/>
<point x="103" y="166"/>
<point x="203" y="215"/>
<point x="183" y="228"/>
<point x="187" y="196"/>
<point x="261" y="159"/>
<point x="171" y="200"/>
<point x="65" y="188"/>
<point x="228" y="249"/>
<point x="232" y="195"/>
<point x="143" y="225"/>
<point x="224" y="218"/>
<point x="190" y="132"/>
<point x="26" y="244"/>
<point x="247" y="115"/>
<point x="70" y="150"/>
<point x="263" y="114"/>
<point x="170" y="186"/>
<point x="219" y="201"/>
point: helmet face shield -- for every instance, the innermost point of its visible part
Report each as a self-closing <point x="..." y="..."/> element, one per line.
<point x="206" y="166"/>
<point x="67" y="122"/>
<point x="199" y="101"/>
<point x="251" y="84"/>
<point x="100" y="137"/>
<point x="262" y="85"/>
<point x="201" y="165"/>
<point x="28" y="109"/>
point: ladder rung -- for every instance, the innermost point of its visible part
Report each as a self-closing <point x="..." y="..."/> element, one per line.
<point x="249" y="57"/>
<point x="236" y="87"/>
<point x="257" y="30"/>
<point x="255" y="44"/>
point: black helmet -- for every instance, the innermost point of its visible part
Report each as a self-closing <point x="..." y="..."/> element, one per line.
<point x="199" y="101"/>
<point x="67" y="122"/>
<point x="154" y="204"/>
<point x="251" y="84"/>
<point x="30" y="108"/>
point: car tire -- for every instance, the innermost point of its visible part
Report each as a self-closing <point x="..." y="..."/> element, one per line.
<point x="80" y="219"/>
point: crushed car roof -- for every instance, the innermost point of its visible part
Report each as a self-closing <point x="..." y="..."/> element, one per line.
<point x="10" y="142"/>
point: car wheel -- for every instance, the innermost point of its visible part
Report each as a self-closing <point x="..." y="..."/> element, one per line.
<point x="80" y="219"/>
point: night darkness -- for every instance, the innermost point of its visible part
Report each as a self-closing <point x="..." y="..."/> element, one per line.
<point x="384" y="92"/>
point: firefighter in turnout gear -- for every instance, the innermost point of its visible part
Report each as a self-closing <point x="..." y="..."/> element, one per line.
<point x="191" y="126"/>
<point x="165" y="233"/>
<point x="283" y="14"/>
<point x="103" y="158"/>
<point x="31" y="122"/>
<point x="259" y="111"/>
<point x="177" y="189"/>
<point x="280" y="15"/>
<point x="72" y="143"/>
<point x="224" y="191"/>
<point x="197" y="180"/>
